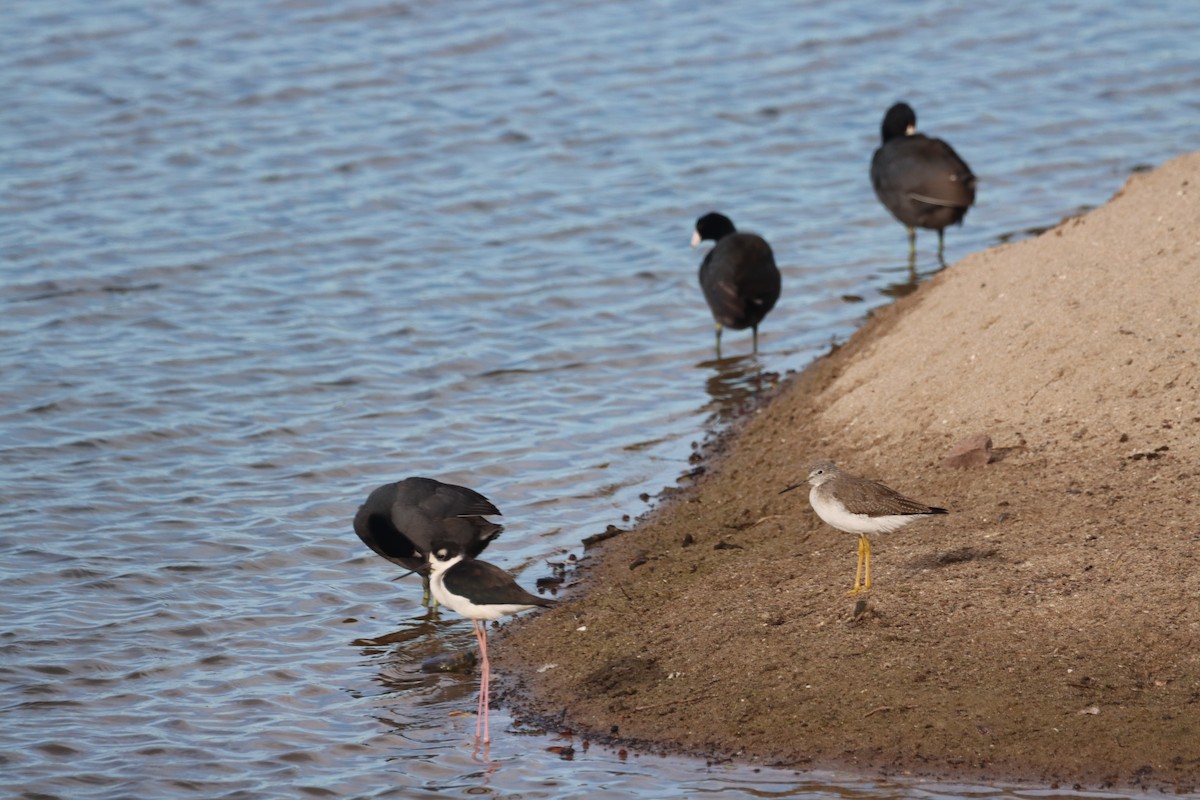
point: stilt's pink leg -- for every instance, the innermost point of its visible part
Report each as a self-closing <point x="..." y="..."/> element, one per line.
<point x="486" y="680"/>
<point x="480" y="706"/>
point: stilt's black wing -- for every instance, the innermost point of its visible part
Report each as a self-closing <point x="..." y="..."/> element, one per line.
<point x="486" y="584"/>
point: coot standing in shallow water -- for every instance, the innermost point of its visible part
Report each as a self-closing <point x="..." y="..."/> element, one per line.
<point x="921" y="180"/>
<point x="740" y="280"/>
<point x="400" y="521"/>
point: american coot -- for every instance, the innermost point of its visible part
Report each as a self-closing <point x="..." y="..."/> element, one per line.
<point x="739" y="277"/>
<point x="862" y="506"/>
<point x="401" y="520"/>
<point x="479" y="591"/>
<point x="922" y="181"/>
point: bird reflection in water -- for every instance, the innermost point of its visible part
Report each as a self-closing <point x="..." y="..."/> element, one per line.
<point x="413" y="659"/>
<point x="732" y="383"/>
<point x="903" y="288"/>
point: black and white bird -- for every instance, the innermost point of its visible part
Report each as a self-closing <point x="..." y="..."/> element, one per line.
<point x="921" y="180"/>
<point x="400" y="521"/>
<point x="740" y="280"/>
<point x="480" y="592"/>
<point x="862" y="506"/>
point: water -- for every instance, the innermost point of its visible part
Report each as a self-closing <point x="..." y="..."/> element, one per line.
<point x="261" y="257"/>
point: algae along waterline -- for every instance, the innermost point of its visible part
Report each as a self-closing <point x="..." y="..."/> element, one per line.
<point x="1044" y="630"/>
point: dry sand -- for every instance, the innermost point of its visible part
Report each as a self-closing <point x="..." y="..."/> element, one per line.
<point x="1047" y="630"/>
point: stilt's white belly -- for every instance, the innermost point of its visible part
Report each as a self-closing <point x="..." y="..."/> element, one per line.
<point x="462" y="605"/>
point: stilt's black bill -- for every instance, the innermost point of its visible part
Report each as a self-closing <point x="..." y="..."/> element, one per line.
<point x="410" y="572"/>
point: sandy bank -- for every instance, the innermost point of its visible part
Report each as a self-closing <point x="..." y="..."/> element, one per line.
<point x="1047" y="630"/>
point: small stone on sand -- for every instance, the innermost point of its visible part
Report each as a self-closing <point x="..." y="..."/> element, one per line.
<point x="973" y="451"/>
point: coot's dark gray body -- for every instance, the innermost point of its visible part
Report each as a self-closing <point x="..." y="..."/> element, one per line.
<point x="400" y="521"/>
<point x="738" y="276"/>
<point x="921" y="180"/>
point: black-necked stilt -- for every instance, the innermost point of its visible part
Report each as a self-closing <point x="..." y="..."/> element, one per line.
<point x="740" y="280"/>
<point x="862" y="506"/>
<point x="401" y="520"/>
<point x="479" y="591"/>
<point x="921" y="180"/>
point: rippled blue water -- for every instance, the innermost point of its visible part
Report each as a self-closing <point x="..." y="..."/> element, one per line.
<point x="261" y="257"/>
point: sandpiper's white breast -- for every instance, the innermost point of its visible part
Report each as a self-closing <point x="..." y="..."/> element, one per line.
<point x="830" y="509"/>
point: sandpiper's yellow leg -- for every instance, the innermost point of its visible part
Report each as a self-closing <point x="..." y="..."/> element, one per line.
<point x="866" y="543"/>
<point x="862" y="576"/>
<point x="858" y="572"/>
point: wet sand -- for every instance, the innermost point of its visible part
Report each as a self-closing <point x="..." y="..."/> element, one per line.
<point x="1046" y="630"/>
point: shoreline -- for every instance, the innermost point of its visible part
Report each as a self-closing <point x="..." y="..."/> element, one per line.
<point x="1043" y="632"/>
